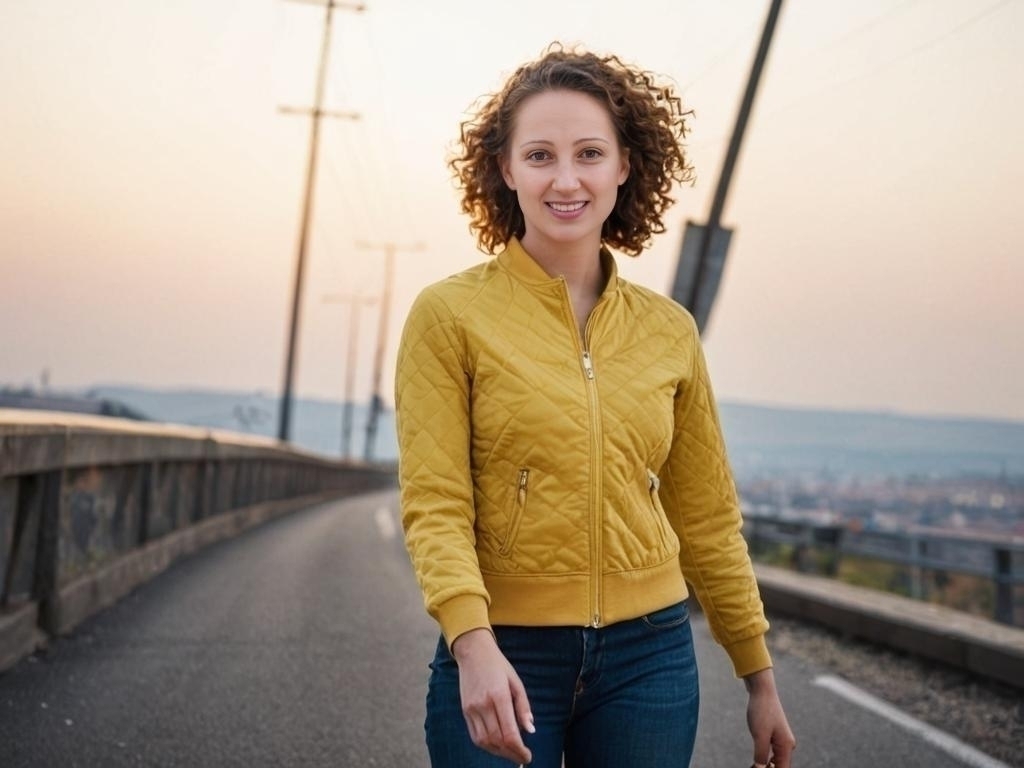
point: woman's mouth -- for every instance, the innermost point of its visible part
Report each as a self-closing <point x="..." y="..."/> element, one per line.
<point x="567" y="209"/>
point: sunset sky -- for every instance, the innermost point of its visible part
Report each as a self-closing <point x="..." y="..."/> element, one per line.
<point x="150" y="189"/>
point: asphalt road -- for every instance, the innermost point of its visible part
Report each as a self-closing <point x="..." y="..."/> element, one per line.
<point x="304" y="643"/>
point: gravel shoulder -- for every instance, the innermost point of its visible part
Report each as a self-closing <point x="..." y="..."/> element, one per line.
<point x="984" y="714"/>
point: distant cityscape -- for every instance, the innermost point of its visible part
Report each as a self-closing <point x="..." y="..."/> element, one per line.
<point x="972" y="503"/>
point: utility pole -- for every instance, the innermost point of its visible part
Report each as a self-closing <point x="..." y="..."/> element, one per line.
<point x="703" y="257"/>
<point x="377" y="402"/>
<point x="355" y="302"/>
<point x="315" y="113"/>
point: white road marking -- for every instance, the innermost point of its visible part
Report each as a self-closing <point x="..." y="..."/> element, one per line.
<point x="948" y="744"/>
<point x="385" y="523"/>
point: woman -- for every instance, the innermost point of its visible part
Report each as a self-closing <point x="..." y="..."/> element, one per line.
<point x="563" y="474"/>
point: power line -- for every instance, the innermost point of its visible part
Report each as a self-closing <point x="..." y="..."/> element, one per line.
<point x="368" y="181"/>
<point x="829" y="45"/>
<point x="383" y="140"/>
<point x="927" y="44"/>
<point x="356" y="205"/>
<point x="832" y="87"/>
<point x="724" y="54"/>
<point x="848" y="35"/>
<point x="957" y="29"/>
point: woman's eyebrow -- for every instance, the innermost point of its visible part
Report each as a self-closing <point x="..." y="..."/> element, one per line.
<point x="586" y="140"/>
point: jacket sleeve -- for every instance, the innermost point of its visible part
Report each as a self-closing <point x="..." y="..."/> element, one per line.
<point x="699" y="495"/>
<point x="432" y="387"/>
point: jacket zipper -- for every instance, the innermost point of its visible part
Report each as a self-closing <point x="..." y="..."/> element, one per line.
<point x="590" y="378"/>
<point x="596" y="441"/>
<point x="588" y="365"/>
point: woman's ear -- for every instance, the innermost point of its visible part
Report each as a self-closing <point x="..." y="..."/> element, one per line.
<point x="505" y="172"/>
<point x="624" y="170"/>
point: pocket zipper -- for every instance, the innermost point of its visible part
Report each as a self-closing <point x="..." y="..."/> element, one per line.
<point x="653" y="481"/>
<point x="517" y="513"/>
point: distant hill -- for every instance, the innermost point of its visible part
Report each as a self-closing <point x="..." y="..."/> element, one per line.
<point x="765" y="439"/>
<point x="27" y="398"/>
<point x="316" y="424"/>
<point x="761" y="439"/>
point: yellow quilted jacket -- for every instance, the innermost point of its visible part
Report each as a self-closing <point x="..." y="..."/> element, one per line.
<point x="550" y="481"/>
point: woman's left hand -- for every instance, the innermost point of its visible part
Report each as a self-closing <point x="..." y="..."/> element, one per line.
<point x="773" y="739"/>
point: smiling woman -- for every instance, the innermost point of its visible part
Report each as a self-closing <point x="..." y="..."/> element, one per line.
<point x="612" y="115"/>
<point x="565" y="165"/>
<point x="563" y="472"/>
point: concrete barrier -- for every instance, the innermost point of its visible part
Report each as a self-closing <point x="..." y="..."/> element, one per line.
<point x="90" y="507"/>
<point x="934" y="632"/>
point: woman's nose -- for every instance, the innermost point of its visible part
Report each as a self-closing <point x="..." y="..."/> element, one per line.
<point x="566" y="179"/>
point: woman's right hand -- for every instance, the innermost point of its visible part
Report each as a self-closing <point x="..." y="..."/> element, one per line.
<point x="494" y="700"/>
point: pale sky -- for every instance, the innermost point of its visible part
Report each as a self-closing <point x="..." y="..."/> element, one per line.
<point x="150" y="190"/>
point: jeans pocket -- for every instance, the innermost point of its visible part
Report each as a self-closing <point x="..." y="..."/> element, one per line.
<point x="667" y="618"/>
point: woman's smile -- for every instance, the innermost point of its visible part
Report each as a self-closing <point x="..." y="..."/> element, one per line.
<point x="567" y="210"/>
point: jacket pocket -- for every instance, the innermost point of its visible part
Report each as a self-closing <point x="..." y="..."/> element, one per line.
<point x="653" y="484"/>
<point x="516" y="515"/>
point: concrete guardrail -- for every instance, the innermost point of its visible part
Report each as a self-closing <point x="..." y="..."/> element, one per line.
<point x="970" y="643"/>
<point x="90" y="507"/>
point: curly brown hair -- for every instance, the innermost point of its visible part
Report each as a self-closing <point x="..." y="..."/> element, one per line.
<point x="650" y="123"/>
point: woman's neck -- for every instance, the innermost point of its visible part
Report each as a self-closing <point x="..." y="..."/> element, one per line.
<point x="579" y="264"/>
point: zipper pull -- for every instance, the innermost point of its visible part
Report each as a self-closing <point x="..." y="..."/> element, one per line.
<point x="653" y="481"/>
<point x="588" y="366"/>
<point x="523" y="475"/>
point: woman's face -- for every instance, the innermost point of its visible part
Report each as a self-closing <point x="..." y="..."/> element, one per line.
<point x="565" y="165"/>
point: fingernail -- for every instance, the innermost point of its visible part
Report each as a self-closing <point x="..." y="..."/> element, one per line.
<point x="530" y="728"/>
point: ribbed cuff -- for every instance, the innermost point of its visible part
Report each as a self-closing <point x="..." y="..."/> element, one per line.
<point x="461" y="614"/>
<point x="749" y="656"/>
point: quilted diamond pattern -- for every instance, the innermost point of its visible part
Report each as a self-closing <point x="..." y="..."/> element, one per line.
<point x="526" y="487"/>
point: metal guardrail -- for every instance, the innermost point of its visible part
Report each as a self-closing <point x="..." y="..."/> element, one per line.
<point x="999" y="560"/>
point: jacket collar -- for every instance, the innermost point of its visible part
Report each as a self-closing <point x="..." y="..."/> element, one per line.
<point x="520" y="264"/>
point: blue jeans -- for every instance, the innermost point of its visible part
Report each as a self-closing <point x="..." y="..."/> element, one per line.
<point x="625" y="695"/>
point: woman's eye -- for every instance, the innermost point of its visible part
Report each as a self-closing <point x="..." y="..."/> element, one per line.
<point x="590" y="154"/>
<point x="537" y="156"/>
